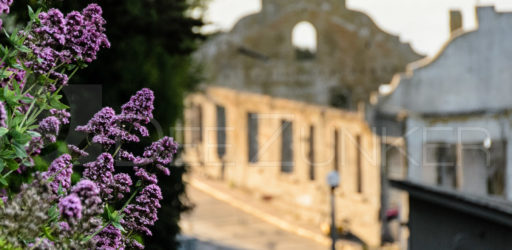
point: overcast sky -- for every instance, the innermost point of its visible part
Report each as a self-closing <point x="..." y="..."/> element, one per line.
<point x="423" y="23"/>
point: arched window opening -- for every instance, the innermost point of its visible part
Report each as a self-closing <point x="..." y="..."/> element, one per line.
<point x="304" y="40"/>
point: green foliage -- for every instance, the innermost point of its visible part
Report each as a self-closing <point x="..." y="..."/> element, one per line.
<point x="15" y="137"/>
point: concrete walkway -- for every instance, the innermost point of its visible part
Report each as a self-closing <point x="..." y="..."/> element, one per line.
<point x="216" y="224"/>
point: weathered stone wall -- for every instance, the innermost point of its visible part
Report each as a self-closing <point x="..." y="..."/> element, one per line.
<point x="352" y="59"/>
<point x="294" y="192"/>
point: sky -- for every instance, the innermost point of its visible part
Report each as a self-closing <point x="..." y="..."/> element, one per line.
<point x="422" y="23"/>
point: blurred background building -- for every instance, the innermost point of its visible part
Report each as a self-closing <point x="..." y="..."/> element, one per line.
<point x="245" y="133"/>
<point x="274" y="116"/>
<point x="454" y="113"/>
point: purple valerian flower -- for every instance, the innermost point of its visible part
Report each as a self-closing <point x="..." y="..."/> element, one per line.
<point x="60" y="170"/>
<point x="60" y="80"/>
<point x="160" y="153"/>
<point x="143" y="213"/>
<point x="76" y="151"/>
<point x="70" y="207"/>
<point x="125" y="155"/>
<point x="57" y="39"/>
<point x="133" y="244"/>
<point x="64" y="226"/>
<point x="122" y="183"/>
<point x="139" y="109"/>
<point x="85" y="189"/>
<point x="101" y="125"/>
<point x="101" y="172"/>
<point x="4" y="8"/>
<point x="52" y="29"/>
<point x="49" y="128"/>
<point x="109" y="238"/>
<point x="89" y="194"/>
<point x="3" y="115"/>
<point x="61" y="114"/>
<point x="35" y="145"/>
<point x="144" y="176"/>
<point x="86" y="34"/>
<point x="105" y="128"/>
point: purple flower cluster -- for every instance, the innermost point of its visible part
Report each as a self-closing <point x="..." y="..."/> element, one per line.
<point x="78" y="36"/>
<point x="100" y="185"/>
<point x="61" y="114"/>
<point x="107" y="127"/>
<point x="59" y="172"/>
<point x="4" y="8"/>
<point x="89" y="194"/>
<point x="101" y="172"/>
<point x="100" y="126"/>
<point x="144" y="176"/>
<point x="140" y="107"/>
<point x="143" y="213"/>
<point x="3" y="115"/>
<point x="122" y="184"/>
<point x="70" y="207"/>
<point x="109" y="238"/>
<point x="159" y="153"/>
<point x="49" y="129"/>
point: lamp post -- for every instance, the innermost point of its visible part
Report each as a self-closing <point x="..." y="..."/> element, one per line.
<point x="333" y="180"/>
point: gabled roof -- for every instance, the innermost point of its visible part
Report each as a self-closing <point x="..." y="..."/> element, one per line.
<point x="471" y="73"/>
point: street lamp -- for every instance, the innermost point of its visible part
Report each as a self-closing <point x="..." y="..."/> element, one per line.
<point x="333" y="180"/>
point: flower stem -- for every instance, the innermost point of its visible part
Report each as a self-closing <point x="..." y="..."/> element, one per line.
<point x="88" y="238"/>
<point x="31" y="107"/>
<point x="7" y="174"/>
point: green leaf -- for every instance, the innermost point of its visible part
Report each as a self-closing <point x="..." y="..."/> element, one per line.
<point x="56" y="104"/>
<point x="33" y="134"/>
<point x="3" y="181"/>
<point x="5" y="73"/>
<point x="30" y="11"/>
<point x="60" y="191"/>
<point x="20" y="150"/>
<point x="12" y="164"/>
<point x="118" y="226"/>
<point x="3" y="131"/>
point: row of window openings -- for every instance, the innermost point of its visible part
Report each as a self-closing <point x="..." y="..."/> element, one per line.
<point x="287" y="154"/>
<point x="483" y="168"/>
<point x="445" y="155"/>
<point x="287" y="149"/>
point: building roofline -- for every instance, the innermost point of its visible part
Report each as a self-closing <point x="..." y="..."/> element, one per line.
<point x="497" y="210"/>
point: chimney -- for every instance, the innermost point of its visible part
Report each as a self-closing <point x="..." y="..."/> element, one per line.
<point x="455" y="20"/>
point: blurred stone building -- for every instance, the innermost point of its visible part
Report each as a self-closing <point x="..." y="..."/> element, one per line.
<point x="454" y="112"/>
<point x="457" y="106"/>
<point x="282" y="150"/>
<point x="275" y="116"/>
<point x="348" y="56"/>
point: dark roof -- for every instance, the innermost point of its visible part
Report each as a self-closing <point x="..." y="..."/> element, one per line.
<point x="494" y="209"/>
